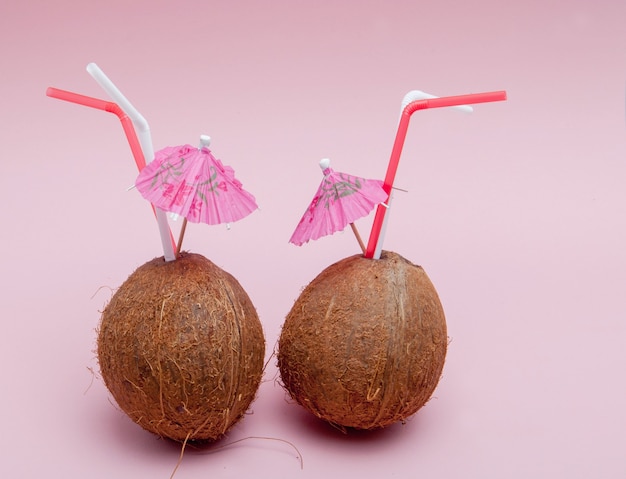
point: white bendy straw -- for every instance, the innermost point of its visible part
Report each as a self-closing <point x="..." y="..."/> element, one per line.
<point x="145" y="140"/>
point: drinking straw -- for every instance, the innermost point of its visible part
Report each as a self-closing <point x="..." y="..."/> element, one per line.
<point x="145" y="139"/>
<point x="414" y="95"/>
<point x="127" y="125"/>
<point x="110" y="107"/>
<point x="411" y="96"/>
<point x="141" y="124"/>
<point x="374" y="246"/>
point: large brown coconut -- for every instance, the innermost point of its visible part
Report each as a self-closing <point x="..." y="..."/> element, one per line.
<point x="181" y="348"/>
<point x="365" y="342"/>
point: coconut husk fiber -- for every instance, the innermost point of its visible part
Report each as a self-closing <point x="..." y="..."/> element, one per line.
<point x="365" y="342"/>
<point x="181" y="348"/>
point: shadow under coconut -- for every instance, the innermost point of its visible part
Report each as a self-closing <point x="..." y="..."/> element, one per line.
<point x="327" y="432"/>
<point x="129" y="436"/>
<point x="145" y="445"/>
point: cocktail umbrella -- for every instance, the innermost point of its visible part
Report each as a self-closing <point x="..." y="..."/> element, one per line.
<point x="340" y="200"/>
<point x="190" y="182"/>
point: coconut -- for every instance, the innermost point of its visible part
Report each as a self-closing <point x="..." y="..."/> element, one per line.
<point x="365" y="342"/>
<point x="181" y="348"/>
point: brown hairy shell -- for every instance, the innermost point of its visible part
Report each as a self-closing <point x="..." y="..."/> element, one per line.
<point x="364" y="344"/>
<point x="181" y="348"/>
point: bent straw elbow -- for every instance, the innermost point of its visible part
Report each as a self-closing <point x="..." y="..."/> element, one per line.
<point x="109" y="87"/>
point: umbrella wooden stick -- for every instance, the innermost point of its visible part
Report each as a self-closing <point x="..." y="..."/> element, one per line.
<point x="180" y="237"/>
<point x="358" y="237"/>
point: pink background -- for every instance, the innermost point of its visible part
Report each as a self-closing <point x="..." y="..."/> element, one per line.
<point x="516" y="212"/>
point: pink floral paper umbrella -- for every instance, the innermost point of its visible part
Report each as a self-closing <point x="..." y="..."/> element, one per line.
<point x="341" y="199"/>
<point x="190" y="182"/>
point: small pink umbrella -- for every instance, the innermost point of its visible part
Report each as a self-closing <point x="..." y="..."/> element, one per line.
<point x="341" y="199"/>
<point x="190" y="182"/>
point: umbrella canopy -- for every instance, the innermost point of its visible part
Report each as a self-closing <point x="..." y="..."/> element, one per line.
<point x="190" y="182"/>
<point x="341" y="199"/>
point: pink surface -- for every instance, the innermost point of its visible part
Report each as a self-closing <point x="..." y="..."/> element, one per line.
<point x="516" y="212"/>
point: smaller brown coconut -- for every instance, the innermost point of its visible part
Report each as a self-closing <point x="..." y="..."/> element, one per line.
<point x="181" y="348"/>
<point x="365" y="342"/>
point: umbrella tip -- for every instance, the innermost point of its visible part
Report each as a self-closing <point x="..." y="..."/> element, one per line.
<point x="205" y="141"/>
<point x="324" y="163"/>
